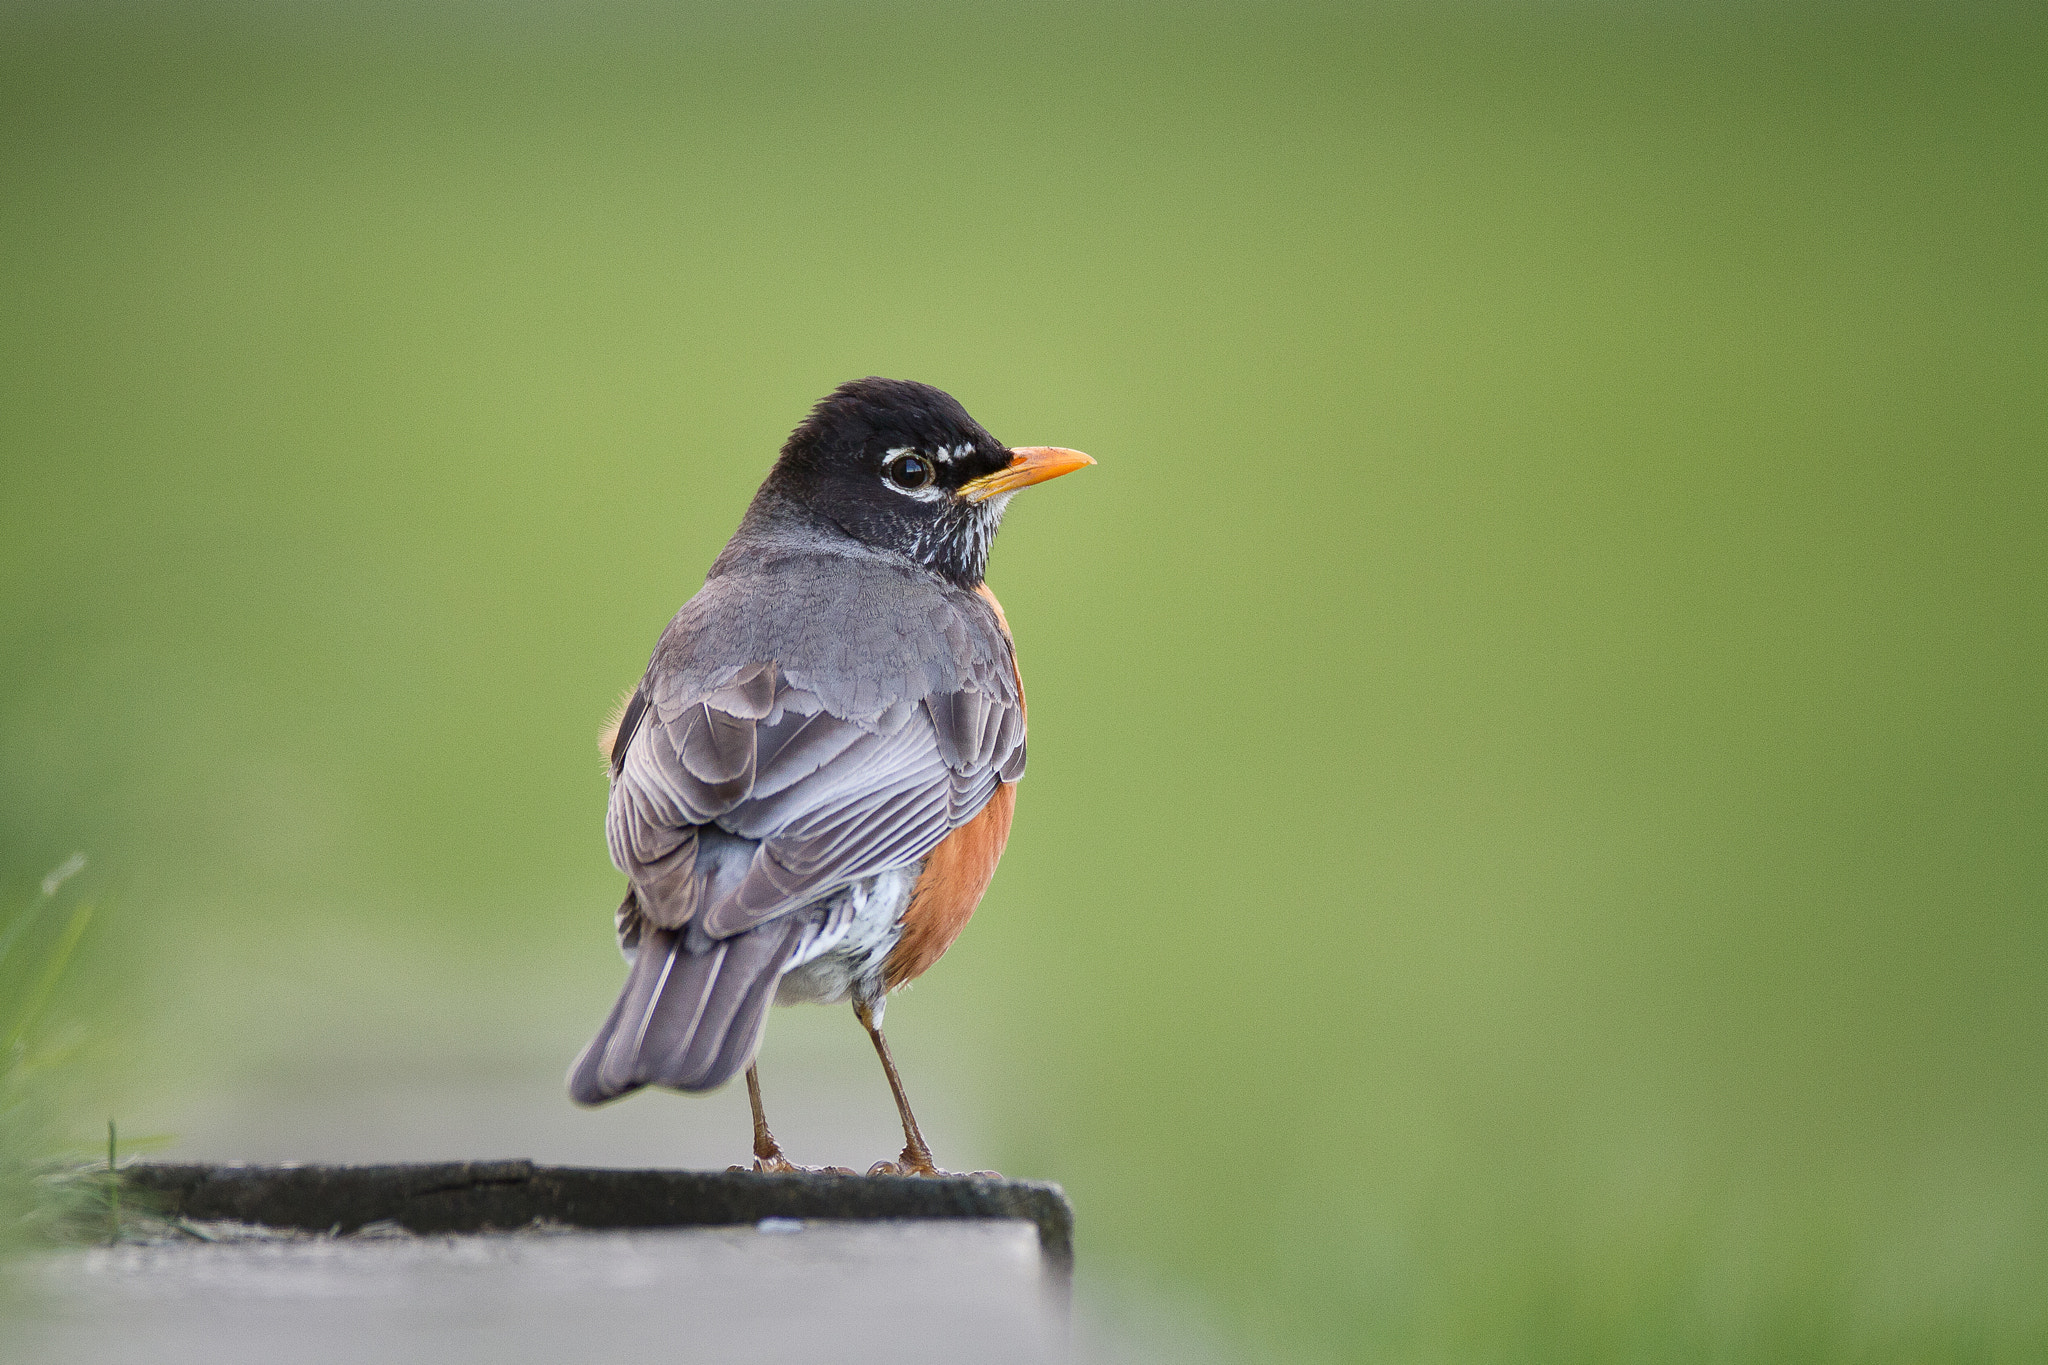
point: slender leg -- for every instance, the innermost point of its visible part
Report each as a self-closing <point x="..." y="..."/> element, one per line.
<point x="768" y="1157"/>
<point x="917" y="1156"/>
<point x="767" y="1151"/>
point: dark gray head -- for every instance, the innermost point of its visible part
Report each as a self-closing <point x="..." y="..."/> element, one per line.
<point x="901" y="467"/>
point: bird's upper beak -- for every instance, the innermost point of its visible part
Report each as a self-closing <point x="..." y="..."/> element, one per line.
<point x="1028" y="465"/>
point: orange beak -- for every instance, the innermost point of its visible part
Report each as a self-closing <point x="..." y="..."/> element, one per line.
<point x="1028" y="465"/>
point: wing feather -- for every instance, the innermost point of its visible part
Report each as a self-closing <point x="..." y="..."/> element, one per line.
<point x="792" y="801"/>
<point x="782" y="753"/>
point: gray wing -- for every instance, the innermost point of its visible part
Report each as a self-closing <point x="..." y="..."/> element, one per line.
<point x="734" y="805"/>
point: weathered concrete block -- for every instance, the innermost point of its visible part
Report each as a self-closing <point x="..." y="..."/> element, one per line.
<point x="474" y="1196"/>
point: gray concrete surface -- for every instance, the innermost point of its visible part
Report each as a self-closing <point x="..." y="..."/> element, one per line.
<point x="815" y="1293"/>
<point x="487" y="1196"/>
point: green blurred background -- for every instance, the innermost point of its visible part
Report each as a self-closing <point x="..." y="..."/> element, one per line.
<point x="1534" y="846"/>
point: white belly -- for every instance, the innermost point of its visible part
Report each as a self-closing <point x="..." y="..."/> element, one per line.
<point x="844" y="958"/>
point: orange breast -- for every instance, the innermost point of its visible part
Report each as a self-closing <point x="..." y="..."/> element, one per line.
<point x="958" y="871"/>
<point x="951" y="885"/>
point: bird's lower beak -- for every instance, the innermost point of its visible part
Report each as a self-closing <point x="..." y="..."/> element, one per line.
<point x="1028" y="465"/>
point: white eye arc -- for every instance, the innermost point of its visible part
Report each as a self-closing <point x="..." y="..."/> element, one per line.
<point x="907" y="471"/>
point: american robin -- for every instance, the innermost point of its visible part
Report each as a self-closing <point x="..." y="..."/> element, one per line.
<point x="811" y="786"/>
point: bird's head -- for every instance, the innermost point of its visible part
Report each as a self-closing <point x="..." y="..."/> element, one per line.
<point x="901" y="467"/>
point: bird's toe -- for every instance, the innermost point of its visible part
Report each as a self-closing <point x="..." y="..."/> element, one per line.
<point x="910" y="1163"/>
<point x="784" y="1166"/>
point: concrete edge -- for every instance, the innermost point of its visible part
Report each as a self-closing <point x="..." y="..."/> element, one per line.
<point x="477" y="1196"/>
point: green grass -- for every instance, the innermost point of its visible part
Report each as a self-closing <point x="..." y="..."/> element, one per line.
<point x="1532" y="848"/>
<point x="42" y="1197"/>
<point x="57" y="1022"/>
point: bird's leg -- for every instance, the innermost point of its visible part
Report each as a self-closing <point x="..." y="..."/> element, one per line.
<point x="917" y="1156"/>
<point x="767" y="1151"/>
<point x="768" y="1157"/>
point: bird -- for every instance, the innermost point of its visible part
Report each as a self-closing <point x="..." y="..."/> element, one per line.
<point x="813" y="782"/>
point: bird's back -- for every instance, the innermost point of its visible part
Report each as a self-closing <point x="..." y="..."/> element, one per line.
<point x="862" y="631"/>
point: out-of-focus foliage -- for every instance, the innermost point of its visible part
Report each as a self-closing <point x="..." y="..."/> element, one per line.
<point x="1533" y="847"/>
<point x="41" y="1196"/>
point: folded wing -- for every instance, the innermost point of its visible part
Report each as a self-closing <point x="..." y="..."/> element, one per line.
<point x="736" y="805"/>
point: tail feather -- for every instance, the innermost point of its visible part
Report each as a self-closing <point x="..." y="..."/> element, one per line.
<point x="676" y="1022"/>
<point x="652" y="966"/>
<point x="690" y="1015"/>
<point x="749" y="1021"/>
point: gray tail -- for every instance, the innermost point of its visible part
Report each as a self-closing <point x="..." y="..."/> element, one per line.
<point x="691" y="1014"/>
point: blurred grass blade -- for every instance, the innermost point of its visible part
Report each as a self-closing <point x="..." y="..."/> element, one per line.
<point x="63" y="873"/>
<point x="46" y="983"/>
<point x="18" y="926"/>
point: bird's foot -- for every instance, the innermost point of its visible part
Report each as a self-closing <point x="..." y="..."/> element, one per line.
<point x="916" y="1162"/>
<point x="777" y="1164"/>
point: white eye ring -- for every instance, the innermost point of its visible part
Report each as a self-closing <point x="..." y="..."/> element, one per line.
<point x="909" y="471"/>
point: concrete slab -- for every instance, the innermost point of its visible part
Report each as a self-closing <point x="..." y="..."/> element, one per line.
<point x="471" y="1196"/>
<point x="782" y="1291"/>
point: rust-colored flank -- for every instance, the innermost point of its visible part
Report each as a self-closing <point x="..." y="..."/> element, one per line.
<point x="955" y="875"/>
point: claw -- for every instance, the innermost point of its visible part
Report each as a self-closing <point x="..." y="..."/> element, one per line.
<point x="914" y="1162"/>
<point x="784" y="1166"/>
<point x="768" y="1157"/>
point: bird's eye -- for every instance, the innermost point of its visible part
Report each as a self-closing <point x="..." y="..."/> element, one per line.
<point x="909" y="471"/>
